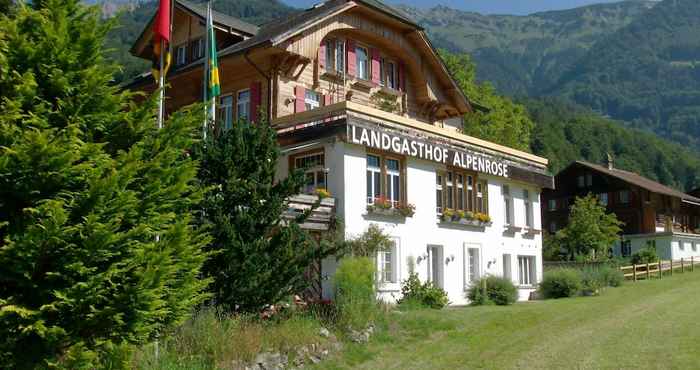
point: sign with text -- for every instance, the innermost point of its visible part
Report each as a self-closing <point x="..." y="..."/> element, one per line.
<point x="403" y="145"/>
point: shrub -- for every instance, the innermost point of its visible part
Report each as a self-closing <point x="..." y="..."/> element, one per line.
<point x="610" y="276"/>
<point x="646" y="255"/>
<point x="561" y="283"/>
<point x="354" y="292"/>
<point x="590" y="282"/>
<point x="500" y="291"/>
<point x="425" y="294"/>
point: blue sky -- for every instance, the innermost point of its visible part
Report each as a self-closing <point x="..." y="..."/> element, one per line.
<point x="519" y="7"/>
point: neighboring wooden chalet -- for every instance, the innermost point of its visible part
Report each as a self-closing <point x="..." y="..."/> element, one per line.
<point x="654" y="214"/>
<point x="362" y="103"/>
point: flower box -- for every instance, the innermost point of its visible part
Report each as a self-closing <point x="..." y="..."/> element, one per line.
<point x="470" y="219"/>
<point x="383" y="207"/>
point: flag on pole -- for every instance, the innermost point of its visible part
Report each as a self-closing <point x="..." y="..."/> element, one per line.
<point x="161" y="39"/>
<point x="212" y="87"/>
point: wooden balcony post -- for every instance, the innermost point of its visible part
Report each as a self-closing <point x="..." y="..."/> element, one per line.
<point x="648" y="272"/>
<point x="682" y="266"/>
<point x="634" y="272"/>
<point x="671" y="266"/>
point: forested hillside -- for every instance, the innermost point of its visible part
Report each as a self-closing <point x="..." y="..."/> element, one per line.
<point x="635" y="61"/>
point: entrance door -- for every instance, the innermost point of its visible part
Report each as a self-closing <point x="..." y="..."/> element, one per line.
<point x="435" y="270"/>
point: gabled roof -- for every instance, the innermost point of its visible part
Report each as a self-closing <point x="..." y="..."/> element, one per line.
<point x="223" y="19"/>
<point x="638" y="180"/>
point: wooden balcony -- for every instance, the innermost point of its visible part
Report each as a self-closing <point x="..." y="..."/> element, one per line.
<point x="321" y="218"/>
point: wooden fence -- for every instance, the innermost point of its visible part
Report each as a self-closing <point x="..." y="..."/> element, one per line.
<point x="656" y="270"/>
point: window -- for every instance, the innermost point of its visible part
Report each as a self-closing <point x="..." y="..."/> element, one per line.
<point x="330" y="55"/>
<point x="472" y="266"/>
<point x="552" y="204"/>
<point x="552" y="227"/>
<point x="589" y="180"/>
<point x="460" y="191"/>
<point x="226" y="111"/>
<point x="695" y="247"/>
<point x="243" y="104"/>
<point x="335" y="55"/>
<point x="686" y="246"/>
<point x="374" y="178"/>
<point x="470" y="192"/>
<point x="450" y="190"/>
<point x="387" y="261"/>
<point x="526" y="270"/>
<point x="481" y="192"/>
<point x="626" y="248"/>
<point x="507" y="271"/>
<point x="315" y="176"/>
<point x="393" y="181"/>
<point x="312" y="99"/>
<point x="624" y="196"/>
<point x="438" y="193"/>
<point x="528" y="209"/>
<point x="581" y="181"/>
<point x="197" y="48"/>
<point x="651" y="244"/>
<point x="387" y="72"/>
<point x="362" y="63"/>
<point x="507" y="205"/>
<point x="181" y="55"/>
<point x="603" y="198"/>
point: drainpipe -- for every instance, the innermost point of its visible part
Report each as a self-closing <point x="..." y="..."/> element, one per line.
<point x="269" y="85"/>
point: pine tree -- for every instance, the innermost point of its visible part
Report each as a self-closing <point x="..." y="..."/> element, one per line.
<point x="257" y="260"/>
<point x="97" y="244"/>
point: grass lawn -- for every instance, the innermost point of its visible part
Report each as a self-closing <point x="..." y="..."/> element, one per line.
<point x="649" y="325"/>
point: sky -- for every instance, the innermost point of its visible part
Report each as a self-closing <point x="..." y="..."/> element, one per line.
<point x="516" y="7"/>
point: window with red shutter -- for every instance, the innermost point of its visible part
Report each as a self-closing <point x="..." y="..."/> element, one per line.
<point x="300" y="95"/>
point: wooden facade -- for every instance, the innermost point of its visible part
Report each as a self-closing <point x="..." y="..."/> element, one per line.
<point x="644" y="206"/>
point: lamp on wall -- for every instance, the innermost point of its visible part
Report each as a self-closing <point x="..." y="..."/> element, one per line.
<point x="449" y="259"/>
<point x="421" y="258"/>
<point x="491" y="262"/>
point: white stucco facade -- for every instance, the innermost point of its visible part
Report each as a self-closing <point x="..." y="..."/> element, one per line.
<point x="669" y="245"/>
<point x="440" y="251"/>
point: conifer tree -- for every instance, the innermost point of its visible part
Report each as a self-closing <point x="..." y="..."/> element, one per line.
<point x="257" y="259"/>
<point x="97" y="244"/>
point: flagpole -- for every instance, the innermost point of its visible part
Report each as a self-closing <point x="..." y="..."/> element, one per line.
<point x="206" y="81"/>
<point x="161" y="86"/>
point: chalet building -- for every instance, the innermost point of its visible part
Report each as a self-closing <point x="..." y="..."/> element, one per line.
<point x="654" y="214"/>
<point x="364" y="105"/>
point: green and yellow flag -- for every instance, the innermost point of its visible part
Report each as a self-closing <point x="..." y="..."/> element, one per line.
<point x="213" y="86"/>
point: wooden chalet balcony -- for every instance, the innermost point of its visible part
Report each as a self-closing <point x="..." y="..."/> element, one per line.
<point x="329" y="114"/>
<point x="322" y="217"/>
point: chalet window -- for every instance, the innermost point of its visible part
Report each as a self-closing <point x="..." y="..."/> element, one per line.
<point x="450" y="190"/>
<point x="481" y="194"/>
<point x="243" y="104"/>
<point x="335" y="55"/>
<point x="528" y="209"/>
<point x="581" y="181"/>
<point x="388" y="264"/>
<point x="438" y="193"/>
<point x="603" y="198"/>
<point x="589" y="180"/>
<point x="624" y="196"/>
<point x="313" y="165"/>
<point x="330" y="55"/>
<point x="507" y="205"/>
<point x="387" y="73"/>
<point x="553" y="227"/>
<point x="460" y="191"/>
<point x="626" y="248"/>
<point x="470" y="192"/>
<point x="312" y="99"/>
<point x="362" y="62"/>
<point x="526" y="270"/>
<point x="197" y="49"/>
<point x="552" y="204"/>
<point x="384" y="179"/>
<point x="472" y="266"/>
<point x="225" y="115"/>
<point x="181" y="55"/>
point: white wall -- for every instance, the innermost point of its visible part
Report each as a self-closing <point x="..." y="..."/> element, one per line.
<point x="347" y="182"/>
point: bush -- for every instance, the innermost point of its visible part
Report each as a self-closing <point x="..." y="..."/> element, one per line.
<point x="590" y="282"/>
<point x="646" y="255"/>
<point x="500" y="291"/>
<point x="424" y="294"/>
<point x="354" y="292"/>
<point x="561" y="283"/>
<point x="610" y="276"/>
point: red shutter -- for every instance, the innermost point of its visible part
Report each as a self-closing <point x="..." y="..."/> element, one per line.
<point x="375" y="65"/>
<point x="402" y="77"/>
<point x="327" y="99"/>
<point x="255" y="99"/>
<point x="300" y="94"/>
<point x="350" y="53"/>
<point x="322" y="56"/>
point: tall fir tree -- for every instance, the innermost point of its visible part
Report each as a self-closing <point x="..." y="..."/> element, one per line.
<point x="257" y="260"/>
<point x="97" y="243"/>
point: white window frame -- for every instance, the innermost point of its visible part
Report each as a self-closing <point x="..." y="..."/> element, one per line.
<point x="391" y="190"/>
<point x="470" y="194"/>
<point x="181" y="55"/>
<point x="339" y="60"/>
<point x="391" y="78"/>
<point x="243" y="105"/>
<point x="389" y="279"/>
<point x="450" y="190"/>
<point x="527" y="270"/>
<point x="480" y="206"/>
<point x="626" y="248"/>
<point x="471" y="263"/>
<point x="330" y="54"/>
<point x="439" y="206"/>
<point x="363" y="70"/>
<point x="508" y="219"/>
<point x="312" y="100"/>
<point x="507" y="266"/>
<point x="459" y="186"/>
<point x="373" y="171"/>
<point x="318" y="171"/>
<point x="437" y="260"/>
<point x="198" y="46"/>
<point x="226" y="111"/>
